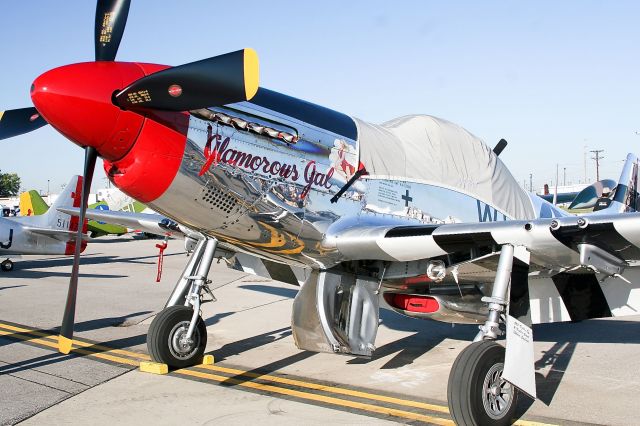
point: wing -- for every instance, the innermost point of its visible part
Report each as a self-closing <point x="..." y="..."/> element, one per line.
<point x="57" y="234"/>
<point x="579" y="267"/>
<point x="557" y="244"/>
<point x="151" y="223"/>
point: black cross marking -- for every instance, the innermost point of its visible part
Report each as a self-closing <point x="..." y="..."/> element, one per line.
<point x="406" y="199"/>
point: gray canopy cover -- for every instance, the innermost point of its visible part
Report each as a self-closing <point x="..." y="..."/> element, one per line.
<point x="426" y="149"/>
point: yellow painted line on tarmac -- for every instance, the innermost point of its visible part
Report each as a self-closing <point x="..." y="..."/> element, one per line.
<point x="326" y="388"/>
<point x="276" y="379"/>
<point x="319" y="398"/>
<point x="251" y="385"/>
<point x="50" y="340"/>
<point x="54" y="345"/>
<point x="530" y="423"/>
<point x="76" y="342"/>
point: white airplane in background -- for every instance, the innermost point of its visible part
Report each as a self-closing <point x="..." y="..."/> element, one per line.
<point x="51" y="233"/>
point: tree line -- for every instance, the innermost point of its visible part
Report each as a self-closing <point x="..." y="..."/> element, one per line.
<point x="9" y="184"/>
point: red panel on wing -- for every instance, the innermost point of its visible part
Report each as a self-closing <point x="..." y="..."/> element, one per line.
<point x="412" y="303"/>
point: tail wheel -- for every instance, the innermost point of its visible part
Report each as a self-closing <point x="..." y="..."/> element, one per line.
<point x="476" y="392"/>
<point x="166" y="338"/>
<point x="7" y="265"/>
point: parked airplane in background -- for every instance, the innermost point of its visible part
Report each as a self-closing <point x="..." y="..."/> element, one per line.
<point x="51" y="233"/>
<point x="32" y="204"/>
<point x="119" y="201"/>
<point x="417" y="210"/>
<point x="588" y="197"/>
<point x="585" y="198"/>
<point x="151" y="223"/>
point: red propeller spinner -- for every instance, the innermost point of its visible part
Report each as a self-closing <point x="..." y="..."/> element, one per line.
<point x="77" y="100"/>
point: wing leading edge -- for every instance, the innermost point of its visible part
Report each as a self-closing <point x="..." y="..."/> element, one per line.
<point x="559" y="243"/>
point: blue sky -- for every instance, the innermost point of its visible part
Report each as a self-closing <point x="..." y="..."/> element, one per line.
<point x="550" y="77"/>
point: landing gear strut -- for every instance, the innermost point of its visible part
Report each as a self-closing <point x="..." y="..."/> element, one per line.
<point x="6" y="265"/>
<point x="177" y="335"/>
<point x="476" y="392"/>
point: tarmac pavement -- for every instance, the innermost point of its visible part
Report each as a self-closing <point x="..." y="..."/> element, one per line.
<point x="586" y="372"/>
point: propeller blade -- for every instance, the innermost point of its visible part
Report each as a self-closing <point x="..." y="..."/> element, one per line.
<point x="220" y="80"/>
<point x="66" y="331"/>
<point x="111" y="18"/>
<point x="14" y="122"/>
<point x="500" y="146"/>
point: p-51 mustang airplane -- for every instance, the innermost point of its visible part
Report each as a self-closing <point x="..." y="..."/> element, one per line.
<point x="417" y="209"/>
<point x="51" y="233"/>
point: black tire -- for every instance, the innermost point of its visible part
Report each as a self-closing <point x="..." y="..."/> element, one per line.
<point x="469" y="404"/>
<point x="7" y="265"/>
<point x="161" y="338"/>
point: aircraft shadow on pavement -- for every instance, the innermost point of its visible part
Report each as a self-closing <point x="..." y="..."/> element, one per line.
<point x="239" y="346"/>
<point x="216" y="318"/>
<point x="31" y="363"/>
<point x="50" y="274"/>
<point x="99" y="323"/>
<point x="267" y="368"/>
<point x="565" y="338"/>
<point x="94" y="324"/>
<point x="30" y="269"/>
<point x="428" y="334"/>
<point x="109" y="240"/>
<point x="243" y="345"/>
<point x="11" y="286"/>
<point x="56" y="357"/>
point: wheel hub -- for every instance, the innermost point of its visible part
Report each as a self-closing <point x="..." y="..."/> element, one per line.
<point x="179" y="345"/>
<point x="497" y="394"/>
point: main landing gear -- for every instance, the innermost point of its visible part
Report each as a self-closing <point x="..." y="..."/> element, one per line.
<point x="476" y="392"/>
<point x="177" y="335"/>
<point x="7" y="265"/>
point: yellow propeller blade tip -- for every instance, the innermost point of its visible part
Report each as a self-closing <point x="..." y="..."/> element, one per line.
<point x="251" y="73"/>
<point x="64" y="344"/>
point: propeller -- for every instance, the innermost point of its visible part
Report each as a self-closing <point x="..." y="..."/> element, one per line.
<point x="16" y="122"/>
<point x="111" y="18"/>
<point x="66" y="330"/>
<point x="221" y="80"/>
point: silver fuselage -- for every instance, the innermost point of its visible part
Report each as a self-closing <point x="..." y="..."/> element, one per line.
<point x="268" y="197"/>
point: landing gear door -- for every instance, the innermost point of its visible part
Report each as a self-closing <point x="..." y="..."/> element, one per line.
<point x="336" y="313"/>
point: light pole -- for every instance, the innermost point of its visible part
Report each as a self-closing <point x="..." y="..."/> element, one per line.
<point x="597" y="157"/>
<point x="564" y="178"/>
<point x="48" y="193"/>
